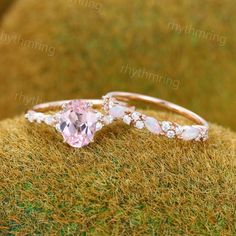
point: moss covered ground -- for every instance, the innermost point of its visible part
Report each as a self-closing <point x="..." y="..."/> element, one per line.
<point x="126" y="183"/>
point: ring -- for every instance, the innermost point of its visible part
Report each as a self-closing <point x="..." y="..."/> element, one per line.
<point x="197" y="132"/>
<point x="79" y="120"/>
<point x="76" y="120"/>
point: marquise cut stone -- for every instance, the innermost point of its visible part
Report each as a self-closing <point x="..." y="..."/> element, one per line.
<point x="190" y="133"/>
<point x="77" y="123"/>
<point x="152" y="125"/>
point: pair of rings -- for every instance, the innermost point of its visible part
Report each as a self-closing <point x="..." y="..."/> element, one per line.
<point x="79" y="120"/>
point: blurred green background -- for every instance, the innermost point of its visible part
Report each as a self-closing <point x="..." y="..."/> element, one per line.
<point x="182" y="51"/>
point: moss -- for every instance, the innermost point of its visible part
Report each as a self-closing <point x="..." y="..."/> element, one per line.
<point x="129" y="182"/>
<point x="92" y="47"/>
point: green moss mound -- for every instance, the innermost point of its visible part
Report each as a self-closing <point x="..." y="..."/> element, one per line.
<point x="183" y="51"/>
<point x="128" y="182"/>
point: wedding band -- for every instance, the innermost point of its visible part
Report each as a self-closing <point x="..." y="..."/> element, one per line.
<point x="197" y="132"/>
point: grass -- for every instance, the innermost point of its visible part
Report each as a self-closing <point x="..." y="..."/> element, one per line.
<point x="126" y="183"/>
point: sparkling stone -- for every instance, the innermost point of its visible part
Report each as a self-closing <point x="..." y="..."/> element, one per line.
<point x="165" y="126"/>
<point x="170" y="134"/>
<point x="139" y="124"/>
<point x="178" y="130"/>
<point x="49" y="120"/>
<point x="30" y="116"/>
<point x="190" y="133"/>
<point x="99" y="126"/>
<point x="99" y="115"/>
<point x="77" y="123"/>
<point x="58" y="128"/>
<point x="40" y="117"/>
<point x="127" y="119"/>
<point x="152" y="125"/>
<point x="107" y="119"/>
<point x="117" y="111"/>
<point x="136" y="116"/>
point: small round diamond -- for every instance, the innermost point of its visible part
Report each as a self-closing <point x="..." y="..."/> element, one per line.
<point x="99" y="126"/>
<point x="170" y="134"/>
<point x="136" y="116"/>
<point x="30" y="116"/>
<point x="165" y="126"/>
<point x="178" y="130"/>
<point x="108" y="119"/>
<point x="58" y="128"/>
<point x="98" y="115"/>
<point x="49" y="120"/>
<point x="139" y="124"/>
<point x="127" y="119"/>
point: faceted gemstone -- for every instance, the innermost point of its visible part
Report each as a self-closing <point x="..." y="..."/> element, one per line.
<point x="178" y="129"/>
<point x="165" y="126"/>
<point x="139" y="124"/>
<point x="99" y="126"/>
<point x="190" y="133"/>
<point x="127" y="119"/>
<point x="152" y="125"/>
<point x="170" y="134"/>
<point x="107" y="119"/>
<point x="30" y="116"/>
<point x="136" y="116"/>
<point x="49" y="120"/>
<point x="77" y="123"/>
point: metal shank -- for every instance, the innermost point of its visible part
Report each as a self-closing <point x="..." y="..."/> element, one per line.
<point x="125" y="96"/>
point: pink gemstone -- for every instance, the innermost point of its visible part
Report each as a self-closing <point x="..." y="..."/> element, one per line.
<point x="152" y="125"/>
<point x="77" y="123"/>
<point x="190" y="133"/>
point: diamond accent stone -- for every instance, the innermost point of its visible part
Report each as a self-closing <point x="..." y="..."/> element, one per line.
<point x="30" y="116"/>
<point x="165" y="126"/>
<point x="77" y="123"/>
<point x="170" y="134"/>
<point x="139" y="124"/>
<point x="152" y="125"/>
<point x="127" y="119"/>
<point x="136" y="116"/>
<point x="178" y="130"/>
<point x="49" y="120"/>
<point x="99" y="126"/>
<point x="107" y="119"/>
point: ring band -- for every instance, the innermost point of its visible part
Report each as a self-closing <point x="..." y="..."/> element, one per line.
<point x="79" y="120"/>
<point x="197" y="132"/>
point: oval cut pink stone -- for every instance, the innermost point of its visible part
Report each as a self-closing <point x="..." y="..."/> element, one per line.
<point x="77" y="123"/>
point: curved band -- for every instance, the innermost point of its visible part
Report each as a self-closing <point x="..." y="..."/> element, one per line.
<point x="198" y="131"/>
<point x="125" y="96"/>
<point x="78" y="120"/>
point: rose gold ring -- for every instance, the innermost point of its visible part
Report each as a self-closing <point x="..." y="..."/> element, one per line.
<point x="79" y="120"/>
<point x="76" y="120"/>
<point x="197" y="132"/>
